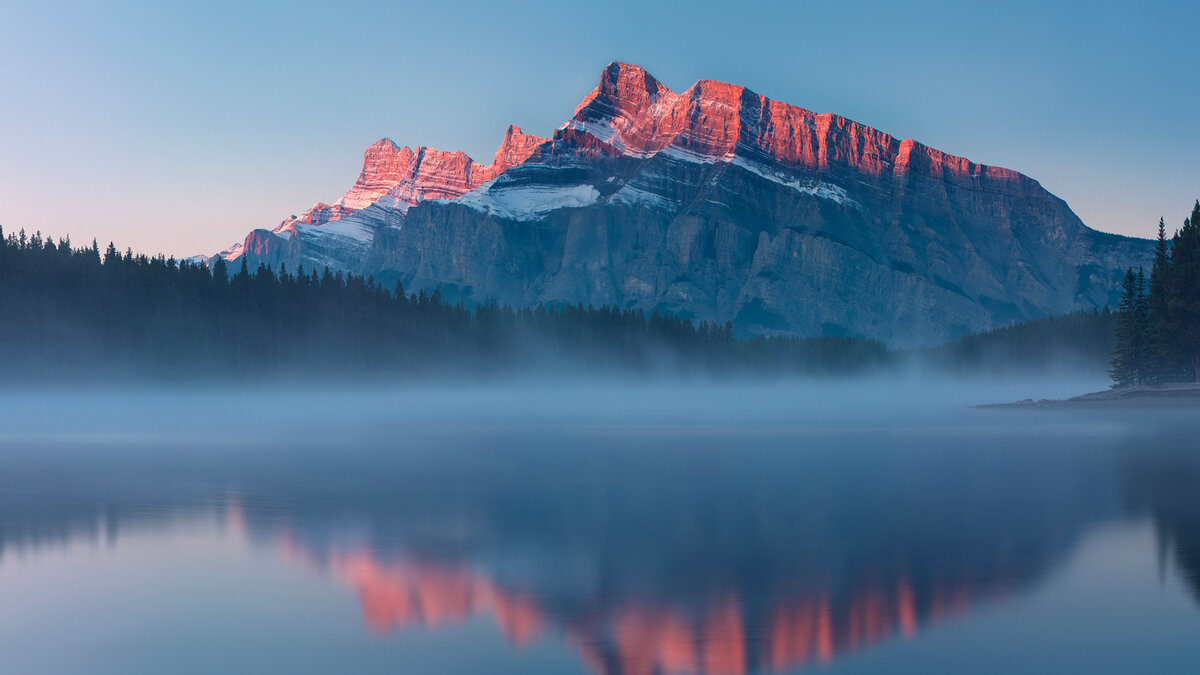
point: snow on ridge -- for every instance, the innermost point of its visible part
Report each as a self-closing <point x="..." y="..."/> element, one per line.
<point x="395" y="199"/>
<point x="233" y="252"/>
<point x="680" y="154"/>
<point x="817" y="188"/>
<point x="603" y="132"/>
<point x="344" y="227"/>
<point x="675" y="152"/>
<point x="606" y="133"/>
<point x="358" y="198"/>
<point x="633" y="196"/>
<point x="527" y="202"/>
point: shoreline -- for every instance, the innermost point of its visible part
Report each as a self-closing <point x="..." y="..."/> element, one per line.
<point x="1180" y="395"/>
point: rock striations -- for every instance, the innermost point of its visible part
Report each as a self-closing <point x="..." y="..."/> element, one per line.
<point x="715" y="204"/>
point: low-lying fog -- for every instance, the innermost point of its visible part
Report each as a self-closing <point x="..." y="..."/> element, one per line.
<point x="302" y="408"/>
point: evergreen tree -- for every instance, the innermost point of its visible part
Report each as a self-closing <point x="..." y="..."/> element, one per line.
<point x="1124" y="365"/>
<point x="1183" y="296"/>
<point x="1158" y="357"/>
<point x="1142" y="356"/>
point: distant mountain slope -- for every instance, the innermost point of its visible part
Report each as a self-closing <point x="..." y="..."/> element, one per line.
<point x="716" y="204"/>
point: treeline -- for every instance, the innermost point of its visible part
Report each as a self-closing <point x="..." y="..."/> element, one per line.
<point x="1158" y="319"/>
<point x="1082" y="341"/>
<point x="69" y="312"/>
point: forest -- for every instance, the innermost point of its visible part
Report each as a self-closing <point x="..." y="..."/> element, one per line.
<point x="73" y="313"/>
<point x="1158" y="318"/>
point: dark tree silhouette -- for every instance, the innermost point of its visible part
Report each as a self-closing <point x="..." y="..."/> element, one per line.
<point x="1130" y="363"/>
<point x="70" y="312"/>
<point x="1158" y="331"/>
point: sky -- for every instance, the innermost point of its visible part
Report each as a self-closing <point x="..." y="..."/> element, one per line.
<point x="179" y="127"/>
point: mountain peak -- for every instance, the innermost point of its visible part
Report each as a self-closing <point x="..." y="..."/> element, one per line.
<point x="623" y="90"/>
<point x="617" y="72"/>
<point x="402" y="176"/>
<point x="384" y="164"/>
<point x="516" y="147"/>
<point x="717" y="90"/>
<point x="384" y="144"/>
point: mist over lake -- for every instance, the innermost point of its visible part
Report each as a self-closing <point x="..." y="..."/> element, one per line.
<point x="855" y="526"/>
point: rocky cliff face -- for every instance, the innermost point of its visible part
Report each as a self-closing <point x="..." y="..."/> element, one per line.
<point x="716" y="204"/>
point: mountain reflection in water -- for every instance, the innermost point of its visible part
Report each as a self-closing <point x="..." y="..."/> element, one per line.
<point x="645" y="552"/>
<point x="640" y="639"/>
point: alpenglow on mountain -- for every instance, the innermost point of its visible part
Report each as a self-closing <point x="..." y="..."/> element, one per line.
<point x="715" y="204"/>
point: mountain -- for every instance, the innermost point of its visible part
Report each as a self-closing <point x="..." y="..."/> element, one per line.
<point x="393" y="178"/>
<point x="715" y="204"/>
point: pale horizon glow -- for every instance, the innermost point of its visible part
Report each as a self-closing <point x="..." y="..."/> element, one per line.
<point x="178" y="129"/>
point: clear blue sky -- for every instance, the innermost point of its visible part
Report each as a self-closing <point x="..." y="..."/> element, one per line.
<point x="178" y="127"/>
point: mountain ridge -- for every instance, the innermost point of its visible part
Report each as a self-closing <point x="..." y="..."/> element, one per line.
<point x="718" y="204"/>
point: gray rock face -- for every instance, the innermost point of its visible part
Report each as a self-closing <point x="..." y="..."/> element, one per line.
<point x="720" y="205"/>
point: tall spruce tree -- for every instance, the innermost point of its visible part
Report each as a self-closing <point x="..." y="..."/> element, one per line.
<point x="1158" y="357"/>
<point x="1142" y="354"/>
<point x="1183" y="296"/>
<point x="1128" y="355"/>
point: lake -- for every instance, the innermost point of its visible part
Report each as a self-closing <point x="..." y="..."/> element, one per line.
<point x="850" y="527"/>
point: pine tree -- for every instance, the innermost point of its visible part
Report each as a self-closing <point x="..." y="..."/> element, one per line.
<point x="1183" y="297"/>
<point x="1158" y="356"/>
<point x="1142" y="359"/>
<point x="1123" y="370"/>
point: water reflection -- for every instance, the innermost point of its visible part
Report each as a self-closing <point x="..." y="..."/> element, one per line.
<point x="646" y="553"/>
<point x="637" y="639"/>
<point x="1162" y="475"/>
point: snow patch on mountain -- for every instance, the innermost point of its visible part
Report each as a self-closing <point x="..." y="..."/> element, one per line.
<point x="816" y="188"/>
<point x="679" y="154"/>
<point x="346" y="227"/>
<point x="233" y="252"/>
<point x="632" y="196"/>
<point x="527" y="202"/>
<point x="602" y="132"/>
<point x="399" y="198"/>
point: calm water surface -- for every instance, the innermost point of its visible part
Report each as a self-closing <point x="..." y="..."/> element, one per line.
<point x="695" y="529"/>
